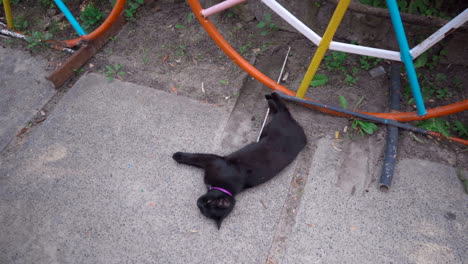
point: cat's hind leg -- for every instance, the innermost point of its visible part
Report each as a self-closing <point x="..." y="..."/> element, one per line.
<point x="278" y="101"/>
<point x="195" y="159"/>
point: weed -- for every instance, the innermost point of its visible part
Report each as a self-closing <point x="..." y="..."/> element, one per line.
<point x="429" y="59"/>
<point x="54" y="27"/>
<point x="91" y="16"/>
<point x="364" y="127"/>
<point x="190" y="17"/>
<point x="265" y="46"/>
<point x="113" y="71"/>
<point x="224" y="82"/>
<point x="359" y="125"/>
<point x="436" y="125"/>
<point x="244" y="48"/>
<point x="47" y="3"/>
<point x="368" y="62"/>
<point x="267" y="26"/>
<point x="350" y="79"/>
<point x="461" y="129"/>
<point x="37" y="39"/>
<point x="78" y="71"/>
<point x="343" y="102"/>
<point x="132" y="6"/>
<point x="335" y="61"/>
<point x="319" y="80"/>
<point x="179" y="26"/>
<point x="21" y="23"/>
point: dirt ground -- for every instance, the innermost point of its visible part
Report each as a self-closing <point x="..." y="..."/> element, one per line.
<point x="165" y="48"/>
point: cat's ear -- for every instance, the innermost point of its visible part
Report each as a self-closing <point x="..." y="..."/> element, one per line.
<point x="219" y="221"/>
<point x="223" y="203"/>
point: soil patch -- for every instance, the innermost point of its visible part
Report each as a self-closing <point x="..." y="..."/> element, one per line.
<point x="165" y="48"/>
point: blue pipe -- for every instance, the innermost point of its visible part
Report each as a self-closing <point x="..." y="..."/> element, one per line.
<point x="70" y="17"/>
<point x="406" y="56"/>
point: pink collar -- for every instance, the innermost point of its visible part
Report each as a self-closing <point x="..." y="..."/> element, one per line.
<point x="221" y="189"/>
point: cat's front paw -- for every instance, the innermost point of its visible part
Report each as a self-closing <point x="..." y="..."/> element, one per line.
<point x="178" y="156"/>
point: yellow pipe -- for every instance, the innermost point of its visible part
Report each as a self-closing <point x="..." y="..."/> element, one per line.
<point x="9" y="17"/>
<point x="323" y="46"/>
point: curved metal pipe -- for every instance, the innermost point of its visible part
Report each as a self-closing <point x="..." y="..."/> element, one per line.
<point x="254" y="72"/>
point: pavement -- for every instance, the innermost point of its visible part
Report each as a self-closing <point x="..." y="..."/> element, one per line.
<point x="23" y="91"/>
<point x="95" y="183"/>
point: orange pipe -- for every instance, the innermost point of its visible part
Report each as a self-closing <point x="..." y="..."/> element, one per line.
<point x="116" y="11"/>
<point x="246" y="66"/>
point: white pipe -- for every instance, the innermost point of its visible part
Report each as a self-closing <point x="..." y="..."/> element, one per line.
<point x="366" y="51"/>
<point x="440" y="34"/>
<point x="338" y="46"/>
<point x="220" y="7"/>
<point x="293" y="21"/>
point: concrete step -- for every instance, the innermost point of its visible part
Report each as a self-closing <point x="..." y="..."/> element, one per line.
<point x="421" y="220"/>
<point x="95" y="183"/>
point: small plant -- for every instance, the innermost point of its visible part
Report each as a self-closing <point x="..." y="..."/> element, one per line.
<point x="266" y="26"/>
<point x="244" y="48"/>
<point x="364" y="127"/>
<point x="113" y="71"/>
<point x="47" y="3"/>
<point x="37" y="39"/>
<point x="436" y="125"/>
<point x="131" y="9"/>
<point x="351" y="79"/>
<point x="78" y="71"/>
<point x="368" y="62"/>
<point x="359" y="125"/>
<point x="190" y="18"/>
<point x="179" y="26"/>
<point x="461" y="129"/>
<point x="336" y="61"/>
<point x="265" y="46"/>
<point x="319" y="80"/>
<point x="429" y="59"/>
<point x="224" y="82"/>
<point x="91" y="16"/>
<point x="21" y="23"/>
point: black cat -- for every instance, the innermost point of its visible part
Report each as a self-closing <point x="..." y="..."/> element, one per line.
<point x="280" y="142"/>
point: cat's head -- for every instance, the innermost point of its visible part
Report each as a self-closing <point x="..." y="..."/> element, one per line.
<point x="216" y="205"/>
